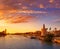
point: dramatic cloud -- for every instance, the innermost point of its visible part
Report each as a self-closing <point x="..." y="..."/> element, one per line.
<point x="51" y="1"/>
<point x="19" y="19"/>
<point x="28" y="4"/>
<point x="14" y="16"/>
<point x="41" y="6"/>
<point x="17" y="11"/>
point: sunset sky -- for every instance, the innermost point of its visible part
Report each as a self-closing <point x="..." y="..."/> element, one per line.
<point x="29" y="15"/>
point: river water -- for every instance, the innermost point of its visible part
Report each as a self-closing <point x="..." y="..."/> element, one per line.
<point x="21" y="42"/>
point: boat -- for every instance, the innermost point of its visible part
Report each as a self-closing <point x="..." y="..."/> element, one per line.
<point x="32" y="37"/>
<point x="57" y="40"/>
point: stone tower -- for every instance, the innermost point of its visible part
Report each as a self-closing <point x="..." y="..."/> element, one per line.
<point x="43" y="31"/>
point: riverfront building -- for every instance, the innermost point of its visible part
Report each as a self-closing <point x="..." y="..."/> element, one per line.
<point x="43" y="31"/>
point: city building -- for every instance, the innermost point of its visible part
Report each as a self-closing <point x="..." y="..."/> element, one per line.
<point x="3" y="33"/>
<point x="56" y="32"/>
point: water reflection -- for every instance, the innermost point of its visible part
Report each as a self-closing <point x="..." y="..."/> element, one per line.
<point x="21" y="42"/>
<point x="2" y="35"/>
<point x="46" y="45"/>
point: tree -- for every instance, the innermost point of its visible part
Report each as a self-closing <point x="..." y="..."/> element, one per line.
<point x="49" y="37"/>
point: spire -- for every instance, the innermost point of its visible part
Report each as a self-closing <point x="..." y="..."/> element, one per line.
<point x="50" y="29"/>
<point x="43" y="26"/>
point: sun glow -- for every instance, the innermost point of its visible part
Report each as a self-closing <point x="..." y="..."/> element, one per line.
<point x="16" y="28"/>
<point x="2" y="23"/>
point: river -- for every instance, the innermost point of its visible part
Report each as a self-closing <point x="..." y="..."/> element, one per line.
<point x="21" y="42"/>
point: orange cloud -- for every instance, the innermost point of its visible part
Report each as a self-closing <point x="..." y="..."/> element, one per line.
<point x="24" y="7"/>
<point x="41" y="6"/>
<point x="19" y="19"/>
<point x="15" y="16"/>
<point x="12" y="17"/>
<point x="51" y="1"/>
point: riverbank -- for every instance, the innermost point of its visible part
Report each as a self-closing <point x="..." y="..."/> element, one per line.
<point x="57" y="40"/>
